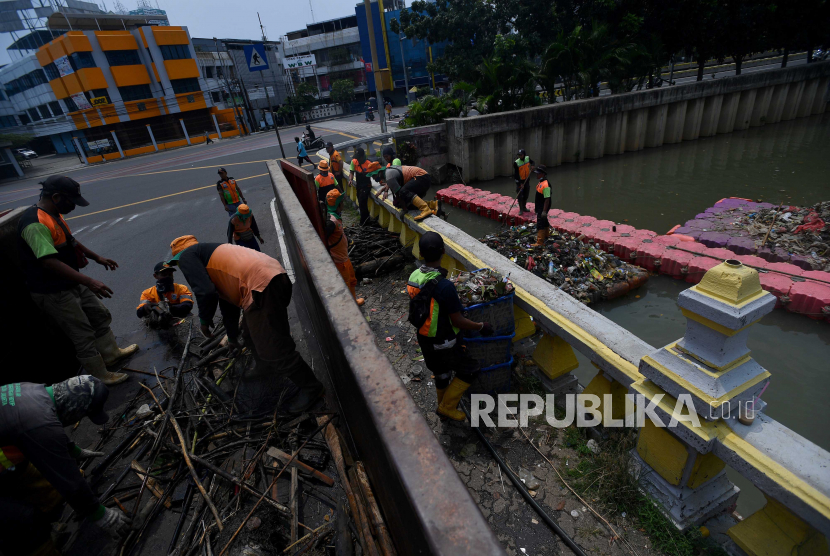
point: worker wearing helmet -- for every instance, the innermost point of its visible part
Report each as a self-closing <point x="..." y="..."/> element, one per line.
<point x="242" y="228"/>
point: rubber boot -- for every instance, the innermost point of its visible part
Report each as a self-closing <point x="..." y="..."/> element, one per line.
<point x="440" y="394"/>
<point x="421" y="205"/>
<point x="449" y="403"/>
<point x="541" y="236"/>
<point x="311" y="390"/>
<point x="109" y="350"/>
<point x="97" y="368"/>
<point x="439" y="209"/>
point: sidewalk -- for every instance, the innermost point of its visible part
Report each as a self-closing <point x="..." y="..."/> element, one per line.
<point x="47" y="165"/>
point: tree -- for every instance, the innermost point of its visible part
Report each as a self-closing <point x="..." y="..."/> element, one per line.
<point x="507" y="80"/>
<point x="342" y="91"/>
<point x="430" y="110"/>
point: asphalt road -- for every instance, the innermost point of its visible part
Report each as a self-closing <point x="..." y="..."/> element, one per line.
<point x="138" y="206"/>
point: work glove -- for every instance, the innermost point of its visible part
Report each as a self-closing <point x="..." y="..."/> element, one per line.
<point x="83" y="453"/>
<point x="114" y="523"/>
<point x="487" y="329"/>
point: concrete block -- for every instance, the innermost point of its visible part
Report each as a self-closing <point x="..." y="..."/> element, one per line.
<point x="554" y="356"/>
<point x="694" y="116"/>
<point x="524" y="324"/>
<point x="394" y="224"/>
<point x="745" y="106"/>
<point x="531" y="140"/>
<point x="553" y="145"/>
<point x="821" y="98"/>
<point x="779" y="100"/>
<point x="565" y="384"/>
<point x="601" y="385"/>
<point x="774" y="530"/>
<point x="635" y="129"/>
<point x="793" y="98"/>
<point x="383" y="218"/>
<point x="485" y="151"/>
<point x="711" y="115"/>
<point x="574" y="145"/>
<point x="615" y="133"/>
<point x="662" y="452"/>
<point x="374" y="209"/>
<point x="656" y="125"/>
<point x="595" y="137"/>
<point x="675" y="122"/>
<point x="506" y="147"/>
<point x="728" y="112"/>
<point x="761" y="106"/>
<point x="805" y="106"/>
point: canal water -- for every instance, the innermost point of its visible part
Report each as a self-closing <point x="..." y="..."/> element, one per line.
<point x="658" y="188"/>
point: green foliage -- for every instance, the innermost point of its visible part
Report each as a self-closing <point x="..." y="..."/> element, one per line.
<point x="303" y="99"/>
<point x="422" y="91"/>
<point x="18" y="140"/>
<point x="342" y="91"/>
<point x="431" y="110"/>
<point x="507" y="80"/>
<point x="408" y="153"/>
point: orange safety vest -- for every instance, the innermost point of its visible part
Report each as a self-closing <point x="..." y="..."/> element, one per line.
<point x="324" y="181"/>
<point x="336" y="162"/>
<point x="337" y="243"/>
<point x="56" y="229"/>
<point x="229" y="190"/>
<point x="180" y="294"/>
<point x="524" y="167"/>
<point x="10" y="457"/>
<point x="366" y="167"/>
<point x="541" y="186"/>
<point x="242" y="228"/>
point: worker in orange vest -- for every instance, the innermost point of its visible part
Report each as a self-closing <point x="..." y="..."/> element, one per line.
<point x="324" y="180"/>
<point x="178" y="300"/>
<point x="336" y="166"/>
<point x="542" y="206"/>
<point x="521" y="174"/>
<point x="409" y="184"/>
<point x="229" y="192"/>
<point x="338" y="245"/>
<point x="242" y="228"/>
<point x="360" y="171"/>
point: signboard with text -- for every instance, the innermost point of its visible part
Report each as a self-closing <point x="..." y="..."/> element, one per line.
<point x="297" y="62"/>
<point x="81" y="102"/>
<point x="99" y="101"/>
<point x="63" y="65"/>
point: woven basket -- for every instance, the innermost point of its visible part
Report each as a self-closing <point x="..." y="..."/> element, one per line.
<point x="498" y="312"/>
<point x="493" y="380"/>
<point x="494" y="350"/>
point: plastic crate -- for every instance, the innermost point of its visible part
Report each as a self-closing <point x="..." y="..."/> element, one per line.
<point x="498" y="312"/>
<point x="491" y="351"/>
<point x="493" y="380"/>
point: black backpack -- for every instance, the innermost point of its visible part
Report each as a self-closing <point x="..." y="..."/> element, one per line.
<point x="419" y="306"/>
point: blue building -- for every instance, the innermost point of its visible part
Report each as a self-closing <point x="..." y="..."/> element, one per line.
<point x="416" y="53"/>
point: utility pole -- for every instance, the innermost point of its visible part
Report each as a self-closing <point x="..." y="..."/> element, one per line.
<point x="268" y="98"/>
<point x="378" y="82"/>
<point x="236" y="112"/>
<point x="403" y="64"/>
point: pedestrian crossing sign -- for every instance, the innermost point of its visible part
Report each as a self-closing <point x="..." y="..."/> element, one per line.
<point x="255" y="56"/>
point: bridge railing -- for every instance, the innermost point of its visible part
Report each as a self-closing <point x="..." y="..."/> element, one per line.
<point x="684" y="466"/>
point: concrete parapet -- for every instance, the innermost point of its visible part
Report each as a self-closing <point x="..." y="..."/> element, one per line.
<point x="483" y="146"/>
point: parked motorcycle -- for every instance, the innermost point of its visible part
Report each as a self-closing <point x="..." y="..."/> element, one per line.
<point x="370" y="116"/>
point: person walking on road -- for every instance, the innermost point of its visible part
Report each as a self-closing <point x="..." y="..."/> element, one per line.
<point x="39" y="464"/>
<point x="336" y="166"/>
<point x="409" y="185"/>
<point x="229" y="192"/>
<point x="242" y="228"/>
<point x="435" y="310"/>
<point x="208" y="140"/>
<point x="521" y="174"/>
<point x="542" y="206"/>
<point x="178" y="300"/>
<point x="236" y="278"/>
<point x="338" y="245"/>
<point x="359" y="173"/>
<point x="51" y="260"/>
<point x="302" y="154"/>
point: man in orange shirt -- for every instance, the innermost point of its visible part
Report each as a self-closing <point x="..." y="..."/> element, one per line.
<point x="178" y="300"/>
<point x="336" y="165"/>
<point x="409" y="185"/>
<point x="233" y="278"/>
<point x="338" y="245"/>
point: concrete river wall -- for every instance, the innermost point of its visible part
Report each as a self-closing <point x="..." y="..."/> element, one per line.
<point x="484" y="147"/>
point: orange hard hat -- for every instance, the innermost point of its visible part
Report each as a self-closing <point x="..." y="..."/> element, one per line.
<point x="324" y="165"/>
<point x="332" y="196"/>
<point x="243" y="209"/>
<point x="180" y="244"/>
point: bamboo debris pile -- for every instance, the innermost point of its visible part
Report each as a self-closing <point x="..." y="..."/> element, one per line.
<point x="232" y="484"/>
<point x="374" y="251"/>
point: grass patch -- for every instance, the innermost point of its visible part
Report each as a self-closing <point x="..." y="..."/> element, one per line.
<point x="608" y="477"/>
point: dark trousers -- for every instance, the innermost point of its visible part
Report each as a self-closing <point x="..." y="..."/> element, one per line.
<point x="417" y="187"/>
<point x="522" y="194"/>
<point x="363" y="202"/>
<point x="301" y="158"/>
<point x="28" y="506"/>
<point x="249" y="243"/>
<point x="443" y="363"/>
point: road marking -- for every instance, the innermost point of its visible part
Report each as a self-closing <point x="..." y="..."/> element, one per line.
<point x="286" y="261"/>
<point x="179" y="170"/>
<point x="78" y="231"/>
<point x="339" y="133"/>
<point x="116" y="221"/>
<point x="213" y="185"/>
<point x="98" y="226"/>
<point x="133" y="217"/>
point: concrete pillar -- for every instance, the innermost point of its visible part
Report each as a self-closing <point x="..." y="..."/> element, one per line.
<point x="728" y="111"/>
<point x="776" y="106"/>
<point x="656" y="125"/>
<point x="694" y="116"/>
<point x="80" y="150"/>
<point x="761" y="107"/>
<point x="745" y="106"/>
<point x="711" y="114"/>
<point x="555" y="360"/>
<point x="531" y="140"/>
<point x="506" y="145"/>
<point x="13" y="160"/>
<point x="184" y="128"/>
<point x="152" y="137"/>
<point x="793" y="98"/>
<point x="216" y="124"/>
<point x="820" y="100"/>
<point x="383" y="217"/>
<point x="675" y="122"/>
<point x="805" y="106"/>
<point x="615" y="133"/>
<point x="554" y="138"/>
<point x="774" y="528"/>
<point x="395" y="225"/>
<point x="712" y="368"/>
<point x="574" y="144"/>
<point x="117" y="143"/>
<point x="595" y="137"/>
<point x="635" y="129"/>
<point x="485" y="152"/>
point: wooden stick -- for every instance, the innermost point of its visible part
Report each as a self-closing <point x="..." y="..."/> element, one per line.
<point x="314" y="532"/>
<point x="386" y="545"/>
<point x="151" y="483"/>
<point x="771" y="226"/>
<point x="334" y="445"/>
<point x="293" y="502"/>
<point x="274" y="488"/>
<point x="364" y="517"/>
<point x="282" y="456"/>
<point x="189" y="464"/>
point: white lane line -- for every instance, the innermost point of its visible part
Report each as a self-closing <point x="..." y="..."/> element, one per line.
<point x="116" y="221"/>
<point x="79" y="230"/>
<point x="286" y="261"/>
<point x="98" y="226"/>
<point x="133" y="217"/>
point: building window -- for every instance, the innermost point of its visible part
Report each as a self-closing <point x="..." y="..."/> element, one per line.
<point x="175" y="51"/>
<point x="190" y="99"/>
<point x="56" y="108"/>
<point x="33" y="114"/>
<point x="52" y="72"/>
<point x="123" y="57"/>
<point x="216" y="96"/>
<point x="24" y="119"/>
<point x="141" y="107"/>
<point x="209" y="72"/>
<point x="8" y="121"/>
<point x="44" y="111"/>
<point x="26" y="82"/>
<point x="188" y="85"/>
<point x="99" y="93"/>
<point x="70" y="104"/>
<point x="80" y="60"/>
<point x="135" y="92"/>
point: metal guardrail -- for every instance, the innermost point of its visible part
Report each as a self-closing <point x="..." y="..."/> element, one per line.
<point x="781" y="463"/>
<point x="365" y="142"/>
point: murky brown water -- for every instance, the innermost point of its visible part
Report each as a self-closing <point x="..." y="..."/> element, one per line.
<point x="658" y="188"/>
